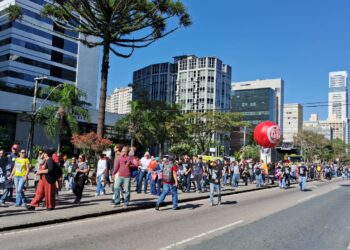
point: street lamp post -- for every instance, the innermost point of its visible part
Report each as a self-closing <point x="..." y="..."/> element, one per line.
<point x="32" y="117"/>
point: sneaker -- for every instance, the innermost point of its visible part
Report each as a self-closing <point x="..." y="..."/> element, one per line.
<point x="97" y="194"/>
<point x="116" y="205"/>
<point x="211" y="204"/>
<point x="157" y="207"/>
<point x="29" y="207"/>
<point x="2" y="204"/>
<point x="76" y="201"/>
<point x="125" y="206"/>
<point x="175" y="208"/>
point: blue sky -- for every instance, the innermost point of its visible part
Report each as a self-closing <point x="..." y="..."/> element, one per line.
<point x="299" y="41"/>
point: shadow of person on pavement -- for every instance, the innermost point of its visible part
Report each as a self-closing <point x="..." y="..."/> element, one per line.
<point x="229" y="203"/>
<point x="308" y="190"/>
<point x="186" y="206"/>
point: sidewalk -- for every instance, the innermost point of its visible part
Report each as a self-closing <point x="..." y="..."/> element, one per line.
<point x="12" y="217"/>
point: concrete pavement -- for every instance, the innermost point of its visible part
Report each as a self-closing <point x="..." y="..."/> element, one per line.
<point x="197" y="223"/>
<point x="16" y="218"/>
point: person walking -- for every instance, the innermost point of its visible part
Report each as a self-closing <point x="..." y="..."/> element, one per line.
<point x="143" y="174"/>
<point x="121" y="174"/>
<point x="198" y="173"/>
<point x="188" y="171"/>
<point x="80" y="172"/>
<point x="215" y="174"/>
<point x="302" y="176"/>
<point x="100" y="174"/>
<point x="258" y="174"/>
<point x="170" y="183"/>
<point x="5" y="172"/>
<point x="47" y="182"/>
<point x="20" y="174"/>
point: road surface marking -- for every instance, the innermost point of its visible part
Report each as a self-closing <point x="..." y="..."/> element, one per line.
<point x="201" y="235"/>
<point x="348" y="246"/>
<point x="307" y="198"/>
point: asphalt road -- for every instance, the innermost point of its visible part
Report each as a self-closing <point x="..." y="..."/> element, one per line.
<point x="265" y="219"/>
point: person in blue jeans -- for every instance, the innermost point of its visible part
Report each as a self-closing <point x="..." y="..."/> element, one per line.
<point x="170" y="183"/>
<point x="20" y="175"/>
<point x="143" y="174"/>
<point x="258" y="175"/>
<point x="302" y="176"/>
<point x="187" y="164"/>
<point x="215" y="175"/>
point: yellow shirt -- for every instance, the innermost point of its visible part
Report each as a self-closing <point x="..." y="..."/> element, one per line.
<point x="21" y="166"/>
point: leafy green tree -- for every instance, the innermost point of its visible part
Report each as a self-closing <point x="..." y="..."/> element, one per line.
<point x="250" y="152"/>
<point x="203" y="126"/>
<point x="120" y="26"/>
<point x="181" y="149"/>
<point x="62" y="117"/>
<point x="153" y="123"/>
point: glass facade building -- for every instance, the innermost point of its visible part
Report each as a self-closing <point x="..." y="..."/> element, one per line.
<point x="256" y="105"/>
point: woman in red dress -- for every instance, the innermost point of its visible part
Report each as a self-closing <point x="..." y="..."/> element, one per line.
<point x="46" y="186"/>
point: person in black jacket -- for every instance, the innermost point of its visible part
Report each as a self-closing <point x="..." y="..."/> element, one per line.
<point x="6" y="167"/>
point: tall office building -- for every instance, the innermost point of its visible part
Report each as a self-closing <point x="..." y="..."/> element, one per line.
<point x="33" y="47"/>
<point x="203" y="84"/>
<point x="338" y="96"/>
<point x="119" y="101"/>
<point x="292" y="121"/>
<point x="338" y="104"/>
<point x="259" y="100"/>
<point x="155" y="82"/>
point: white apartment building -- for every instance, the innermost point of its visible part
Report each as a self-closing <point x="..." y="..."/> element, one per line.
<point x="292" y="121"/>
<point x="338" y="95"/>
<point x="203" y="84"/>
<point x="119" y="101"/>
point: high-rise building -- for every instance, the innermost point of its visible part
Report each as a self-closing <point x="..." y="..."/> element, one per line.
<point x="203" y="84"/>
<point x="292" y="121"/>
<point x="119" y="101"/>
<point x="338" y="96"/>
<point x="34" y="46"/>
<point x="338" y="104"/>
<point x="259" y="100"/>
<point x="155" y="82"/>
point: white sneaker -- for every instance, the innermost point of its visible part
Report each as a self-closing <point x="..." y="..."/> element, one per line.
<point x="211" y="204"/>
<point x="97" y="194"/>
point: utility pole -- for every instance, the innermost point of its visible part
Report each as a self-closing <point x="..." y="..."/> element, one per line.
<point x="32" y="117"/>
<point x="244" y="135"/>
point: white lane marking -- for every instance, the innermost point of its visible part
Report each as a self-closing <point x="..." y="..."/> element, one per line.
<point x="348" y="246"/>
<point x="307" y="198"/>
<point x="201" y="235"/>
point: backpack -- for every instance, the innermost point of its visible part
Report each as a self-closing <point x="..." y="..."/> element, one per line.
<point x="257" y="171"/>
<point x="168" y="173"/>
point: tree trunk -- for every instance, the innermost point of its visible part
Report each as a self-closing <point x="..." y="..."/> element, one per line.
<point x="103" y="90"/>
<point x="160" y="145"/>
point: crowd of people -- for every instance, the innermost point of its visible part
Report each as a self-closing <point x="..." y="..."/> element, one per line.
<point x="154" y="175"/>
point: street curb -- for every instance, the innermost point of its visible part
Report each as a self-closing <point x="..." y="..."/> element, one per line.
<point x="143" y="205"/>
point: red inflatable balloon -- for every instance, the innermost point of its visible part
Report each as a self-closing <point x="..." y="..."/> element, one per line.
<point x="267" y="134"/>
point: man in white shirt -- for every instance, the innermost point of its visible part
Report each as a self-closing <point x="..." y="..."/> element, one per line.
<point x="145" y="162"/>
<point x="101" y="170"/>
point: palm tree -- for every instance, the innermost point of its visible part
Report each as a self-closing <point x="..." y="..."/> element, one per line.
<point x="63" y="115"/>
<point x="120" y="26"/>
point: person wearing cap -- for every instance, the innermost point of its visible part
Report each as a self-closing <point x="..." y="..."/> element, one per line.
<point x="20" y="175"/>
<point x="153" y="168"/>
